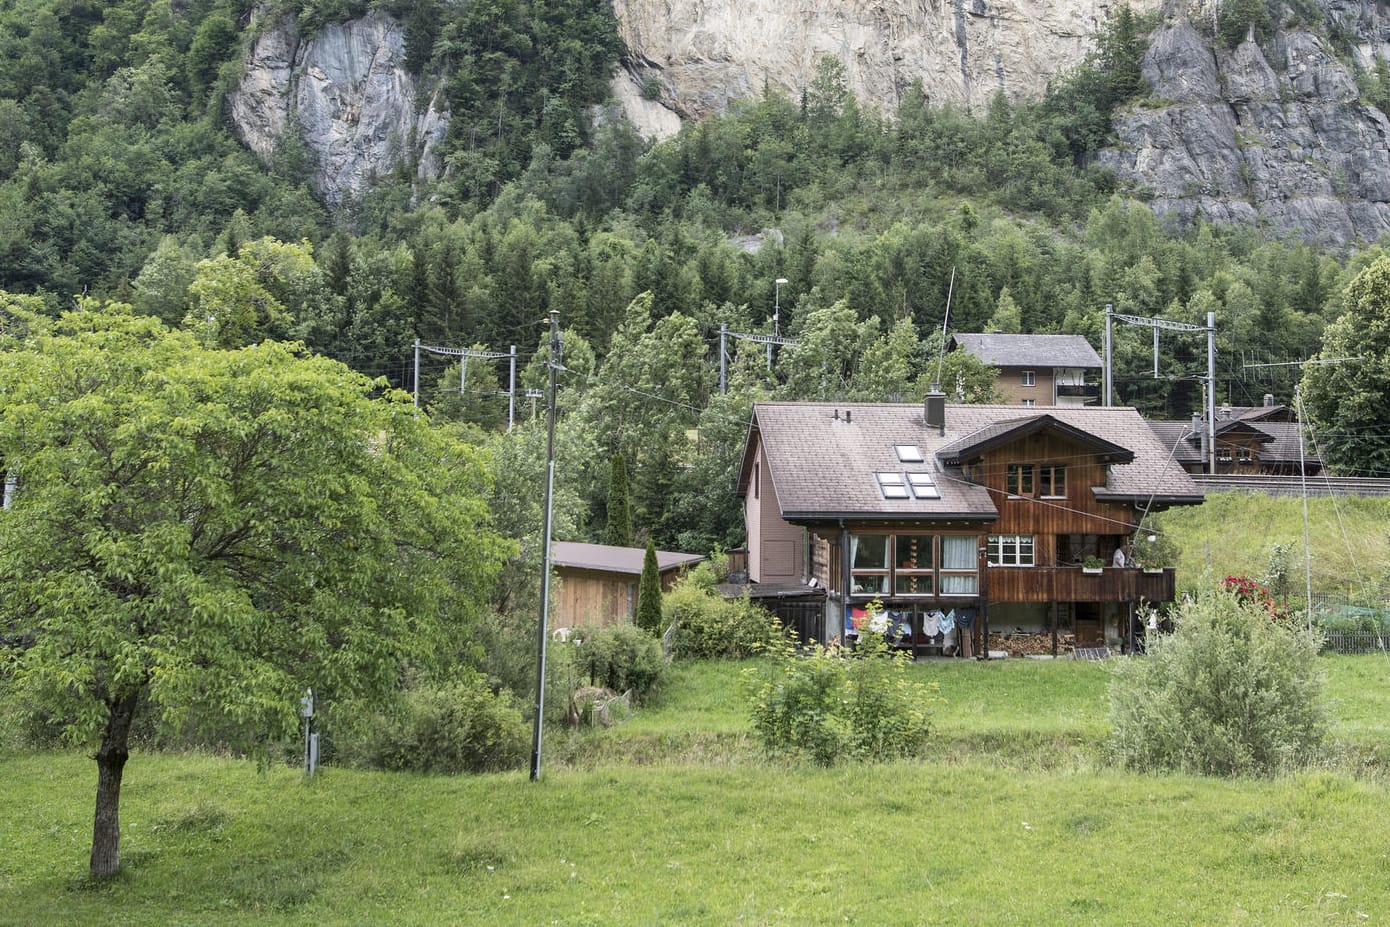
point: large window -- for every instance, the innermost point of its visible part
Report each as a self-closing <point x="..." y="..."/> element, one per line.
<point x="1011" y="550"/>
<point x="868" y="557"/>
<point x="1052" y="481"/>
<point x="1028" y="378"/>
<point x="958" y="560"/>
<point x="912" y="564"/>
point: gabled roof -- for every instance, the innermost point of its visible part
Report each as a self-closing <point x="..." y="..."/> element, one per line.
<point x="1238" y="427"/>
<point x="1001" y="433"/>
<point x="1001" y="350"/>
<point x="609" y="559"/>
<point x="823" y="458"/>
<point x="1279" y="440"/>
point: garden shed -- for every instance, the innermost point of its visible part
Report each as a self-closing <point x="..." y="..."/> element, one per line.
<point x="598" y="582"/>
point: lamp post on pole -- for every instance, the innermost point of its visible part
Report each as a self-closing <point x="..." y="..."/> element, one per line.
<point x="776" y="315"/>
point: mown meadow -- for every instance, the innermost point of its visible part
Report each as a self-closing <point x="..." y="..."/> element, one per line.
<point x="674" y="817"/>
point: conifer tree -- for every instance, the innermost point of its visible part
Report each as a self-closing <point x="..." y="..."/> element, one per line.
<point x="619" y="529"/>
<point x="648" y="616"/>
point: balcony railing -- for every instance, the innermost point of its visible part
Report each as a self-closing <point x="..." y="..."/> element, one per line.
<point x="1071" y="584"/>
<point x="1084" y="390"/>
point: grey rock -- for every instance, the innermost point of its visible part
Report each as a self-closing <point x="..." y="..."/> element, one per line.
<point x="347" y="94"/>
<point x="1270" y="136"/>
<point x="1180" y="65"/>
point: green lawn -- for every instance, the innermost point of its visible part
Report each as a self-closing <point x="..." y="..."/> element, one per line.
<point x="672" y="818"/>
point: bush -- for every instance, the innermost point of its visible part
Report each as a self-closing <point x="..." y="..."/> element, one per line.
<point x="620" y="658"/>
<point x="829" y="703"/>
<point x="1231" y="692"/>
<point x="708" y="626"/>
<point x="457" y="727"/>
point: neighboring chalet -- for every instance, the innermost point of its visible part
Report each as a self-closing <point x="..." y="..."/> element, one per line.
<point x="984" y="514"/>
<point x="598" y="582"/>
<point x="1037" y="370"/>
<point x="1250" y="441"/>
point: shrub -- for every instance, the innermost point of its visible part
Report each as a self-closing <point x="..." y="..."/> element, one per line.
<point x="620" y="658"/>
<point x="456" y="727"/>
<point x="1232" y="691"/>
<point x="827" y="703"/>
<point x="708" y="626"/>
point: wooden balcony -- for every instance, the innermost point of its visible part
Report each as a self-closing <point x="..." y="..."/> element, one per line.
<point x="1070" y="584"/>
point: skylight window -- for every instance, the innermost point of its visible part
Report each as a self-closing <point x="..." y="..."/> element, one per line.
<point x="908" y="453"/>
<point x="893" y="486"/>
<point x="923" y="486"/>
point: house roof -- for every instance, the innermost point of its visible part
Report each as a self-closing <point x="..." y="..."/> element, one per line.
<point x="1279" y="439"/>
<point x="1002" y="350"/>
<point x="609" y="559"/>
<point x="823" y="458"/>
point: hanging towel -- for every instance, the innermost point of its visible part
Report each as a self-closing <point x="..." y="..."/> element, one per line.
<point x="948" y="622"/>
<point x="931" y="623"/>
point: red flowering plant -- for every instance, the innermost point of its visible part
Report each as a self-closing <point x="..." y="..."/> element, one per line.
<point x="1248" y="591"/>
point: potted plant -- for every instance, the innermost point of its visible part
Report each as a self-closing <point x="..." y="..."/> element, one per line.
<point x="1092" y="564"/>
<point x="1155" y="552"/>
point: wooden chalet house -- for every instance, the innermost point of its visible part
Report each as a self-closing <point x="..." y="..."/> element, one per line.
<point x="981" y="513"/>
<point x="1250" y="441"/>
<point x="1037" y="370"/>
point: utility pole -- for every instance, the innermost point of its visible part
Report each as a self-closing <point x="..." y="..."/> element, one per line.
<point x="417" y="373"/>
<point x="1108" y="348"/>
<point x="464" y="354"/>
<point x="545" y="544"/>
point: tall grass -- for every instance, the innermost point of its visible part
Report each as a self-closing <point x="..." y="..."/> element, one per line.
<point x="1233" y="533"/>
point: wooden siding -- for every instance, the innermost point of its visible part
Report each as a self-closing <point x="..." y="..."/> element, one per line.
<point x="1078" y="512"/>
<point x="595" y="599"/>
<point x="592" y="599"/>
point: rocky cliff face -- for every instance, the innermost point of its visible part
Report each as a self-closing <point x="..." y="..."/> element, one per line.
<point x="347" y="94"/>
<point x="706" y="53"/>
<point x="1274" y="136"/>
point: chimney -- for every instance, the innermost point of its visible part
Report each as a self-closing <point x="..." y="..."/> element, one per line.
<point x="1269" y="399"/>
<point x="934" y="409"/>
<point x="1199" y="430"/>
<point x="847" y="414"/>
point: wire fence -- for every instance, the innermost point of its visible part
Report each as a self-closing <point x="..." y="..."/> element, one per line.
<point x="1355" y="642"/>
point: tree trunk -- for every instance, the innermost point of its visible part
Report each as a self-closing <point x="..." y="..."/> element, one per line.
<point x="111" y="757"/>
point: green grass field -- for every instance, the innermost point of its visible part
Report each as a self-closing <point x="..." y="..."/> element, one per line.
<point x="673" y="818"/>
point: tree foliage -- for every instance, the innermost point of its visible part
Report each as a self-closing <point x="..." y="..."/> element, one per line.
<point x="204" y="533"/>
<point x="1347" y="397"/>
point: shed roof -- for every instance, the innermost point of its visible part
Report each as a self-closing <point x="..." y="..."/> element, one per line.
<point x="610" y="559"/>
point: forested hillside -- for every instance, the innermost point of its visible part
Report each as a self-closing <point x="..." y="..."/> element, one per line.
<point x="120" y="179"/>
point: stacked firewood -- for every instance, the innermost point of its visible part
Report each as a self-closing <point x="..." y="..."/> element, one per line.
<point x="1019" y="644"/>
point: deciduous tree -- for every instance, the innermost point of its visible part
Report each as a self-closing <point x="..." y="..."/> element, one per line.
<point x="1348" y="400"/>
<point x="202" y="534"/>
